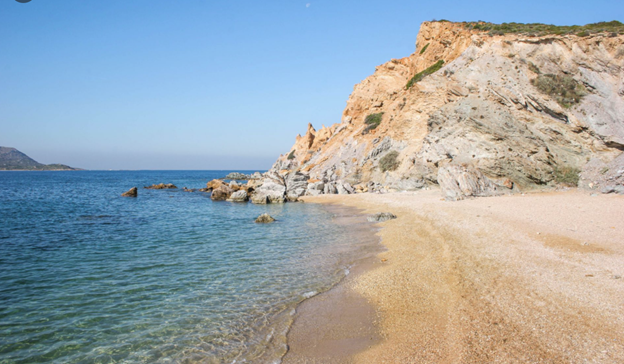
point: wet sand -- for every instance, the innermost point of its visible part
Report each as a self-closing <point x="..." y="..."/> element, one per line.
<point x="511" y="279"/>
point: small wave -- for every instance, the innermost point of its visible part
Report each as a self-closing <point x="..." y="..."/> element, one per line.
<point x="309" y="294"/>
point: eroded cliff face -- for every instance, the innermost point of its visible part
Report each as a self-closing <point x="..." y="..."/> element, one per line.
<point x="480" y="116"/>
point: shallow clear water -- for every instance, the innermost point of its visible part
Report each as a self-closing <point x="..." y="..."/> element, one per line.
<point x="87" y="276"/>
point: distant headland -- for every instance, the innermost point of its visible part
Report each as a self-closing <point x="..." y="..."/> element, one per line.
<point x="12" y="159"/>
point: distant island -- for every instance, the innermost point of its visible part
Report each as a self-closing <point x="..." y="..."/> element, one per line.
<point x="12" y="159"/>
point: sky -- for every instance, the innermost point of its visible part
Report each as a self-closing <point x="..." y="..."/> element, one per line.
<point x="208" y="84"/>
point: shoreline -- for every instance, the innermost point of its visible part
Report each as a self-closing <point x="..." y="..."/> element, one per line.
<point x="521" y="278"/>
<point x="336" y="324"/>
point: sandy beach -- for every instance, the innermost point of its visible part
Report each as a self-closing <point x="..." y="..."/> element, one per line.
<point x="513" y="279"/>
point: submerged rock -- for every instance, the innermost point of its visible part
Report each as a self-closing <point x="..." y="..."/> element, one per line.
<point x="381" y="217"/>
<point x="133" y="192"/>
<point x="264" y="219"/>
<point x="161" y="186"/>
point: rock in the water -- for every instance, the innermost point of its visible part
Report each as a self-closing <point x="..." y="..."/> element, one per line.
<point x="161" y="186"/>
<point x="239" y="196"/>
<point x="461" y="181"/>
<point x="133" y="192"/>
<point x="214" y="184"/>
<point x="221" y="193"/>
<point x="235" y="186"/>
<point x="264" y="219"/>
<point x="381" y="217"/>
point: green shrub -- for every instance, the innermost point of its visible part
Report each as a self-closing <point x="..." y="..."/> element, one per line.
<point x="291" y="155"/>
<point x="563" y="88"/>
<point x="537" y="29"/>
<point x="568" y="176"/>
<point x="420" y="75"/>
<point x="534" y="68"/>
<point x="389" y="161"/>
<point x="372" y="121"/>
<point x="424" y="48"/>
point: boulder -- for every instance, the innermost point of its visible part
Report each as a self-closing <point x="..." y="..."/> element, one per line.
<point x="381" y="217"/>
<point x="161" y="186"/>
<point x="264" y="219"/>
<point x="239" y="196"/>
<point x="259" y="199"/>
<point x="214" y="184"/>
<point x="460" y="181"/>
<point x="235" y="186"/>
<point x="221" y="193"/>
<point x="133" y="192"/>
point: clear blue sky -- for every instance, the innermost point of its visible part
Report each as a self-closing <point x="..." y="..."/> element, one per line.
<point x="207" y="84"/>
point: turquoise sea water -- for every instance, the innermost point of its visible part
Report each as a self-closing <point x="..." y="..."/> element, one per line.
<point x="87" y="276"/>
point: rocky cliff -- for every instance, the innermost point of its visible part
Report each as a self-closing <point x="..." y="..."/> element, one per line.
<point x="477" y="112"/>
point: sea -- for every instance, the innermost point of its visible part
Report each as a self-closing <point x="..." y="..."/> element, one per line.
<point x="88" y="276"/>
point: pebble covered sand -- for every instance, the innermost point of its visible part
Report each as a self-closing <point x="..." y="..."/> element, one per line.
<point x="512" y="279"/>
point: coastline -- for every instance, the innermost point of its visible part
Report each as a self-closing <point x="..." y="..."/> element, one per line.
<point x="520" y="278"/>
<point x="336" y="324"/>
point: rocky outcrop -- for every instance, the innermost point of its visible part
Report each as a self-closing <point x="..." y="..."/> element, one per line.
<point x="162" y="186"/>
<point x="460" y="181"/>
<point x="221" y="193"/>
<point x="133" y="192"/>
<point x="296" y="185"/>
<point x="239" y="196"/>
<point x="490" y="120"/>
<point x="272" y="190"/>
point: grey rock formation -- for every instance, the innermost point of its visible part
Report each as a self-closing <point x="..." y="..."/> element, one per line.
<point x="296" y="185"/>
<point x="133" y="192"/>
<point x="381" y="217"/>
<point x="239" y="196"/>
<point x="330" y="188"/>
<point x="264" y="219"/>
<point x="272" y="190"/>
<point x="315" y="189"/>
<point x="460" y="181"/>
